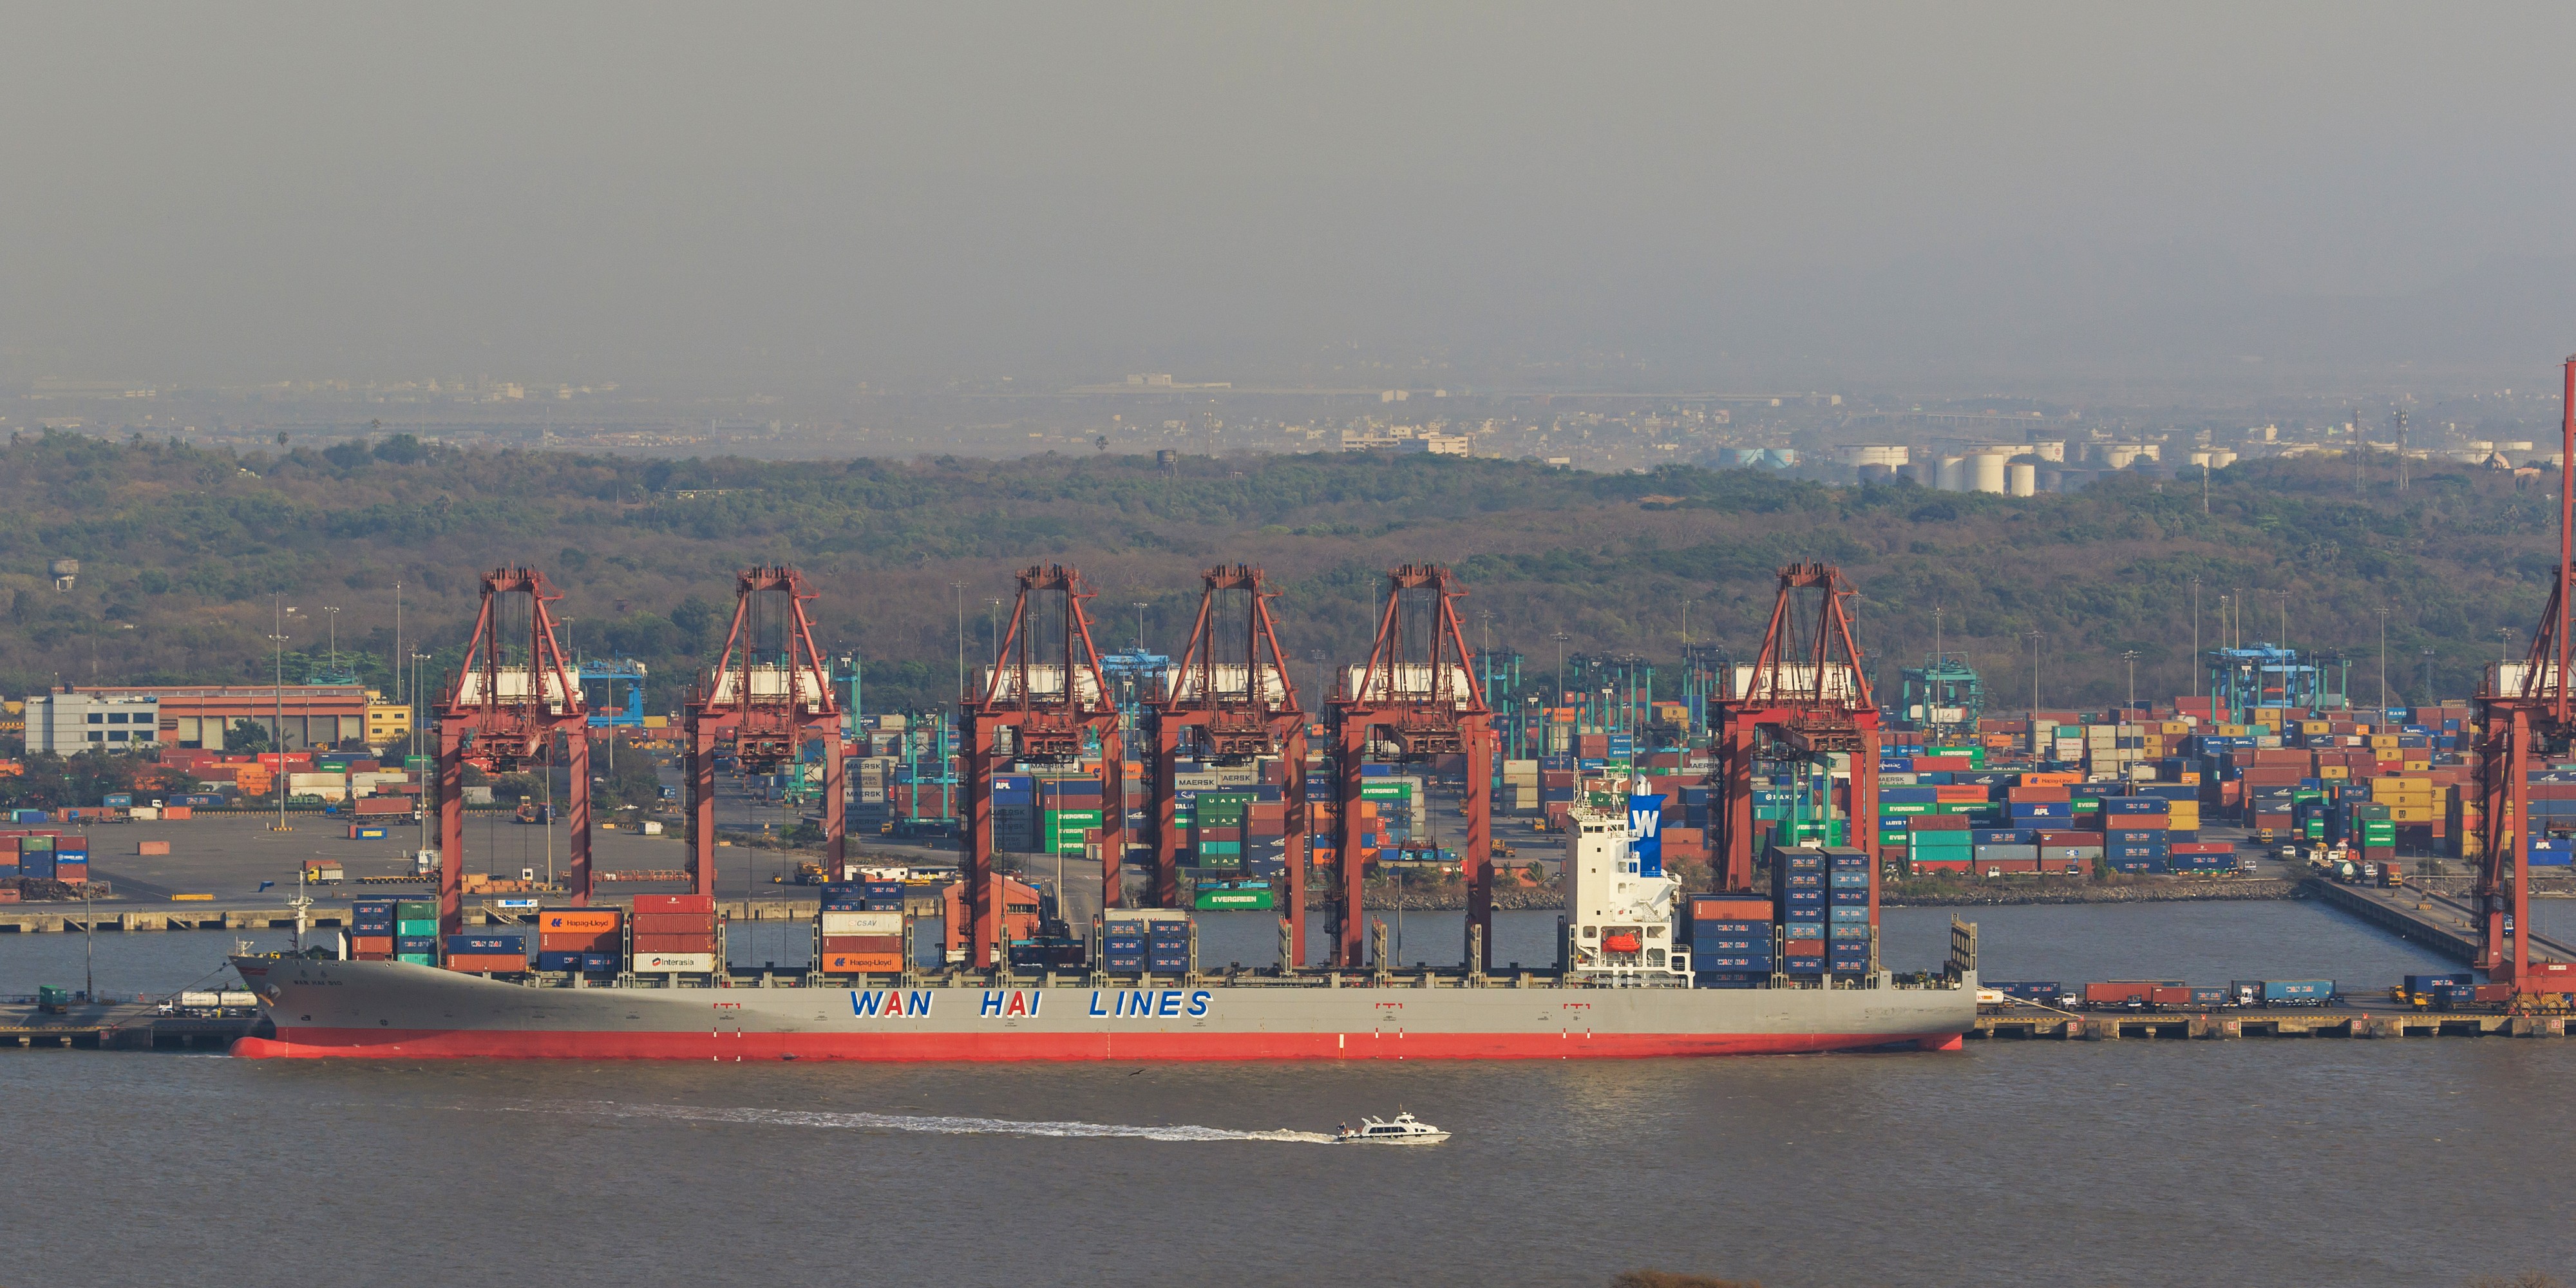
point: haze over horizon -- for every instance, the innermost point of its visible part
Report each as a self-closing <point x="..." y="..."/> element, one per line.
<point x="807" y="198"/>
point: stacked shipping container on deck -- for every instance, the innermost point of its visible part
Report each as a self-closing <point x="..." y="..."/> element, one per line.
<point x="590" y="941"/>
<point x="675" y="934"/>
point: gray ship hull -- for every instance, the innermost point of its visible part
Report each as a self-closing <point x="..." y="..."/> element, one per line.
<point x="394" y="1010"/>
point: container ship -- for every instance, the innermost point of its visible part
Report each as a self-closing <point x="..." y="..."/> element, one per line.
<point x="1642" y="970"/>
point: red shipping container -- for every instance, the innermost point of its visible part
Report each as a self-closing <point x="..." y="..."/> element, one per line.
<point x="862" y="943"/>
<point x="582" y="942"/>
<point x="2087" y="839"/>
<point x="675" y="943"/>
<point x="2114" y="992"/>
<point x="371" y="943"/>
<point x="8" y="894"/>
<point x="2006" y="865"/>
<point x="675" y="903"/>
<point x="2057" y="865"/>
<point x="2028" y="795"/>
<point x="2169" y="996"/>
<point x="367" y="805"/>
<point x="1929" y="764"/>
<point x="675" y="923"/>
<point x="1940" y="865"/>
<point x="497" y="963"/>
<point x="1729" y="908"/>
<point x="1937" y="823"/>
<point x="1803" y="947"/>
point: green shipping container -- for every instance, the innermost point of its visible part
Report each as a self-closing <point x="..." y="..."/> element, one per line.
<point x="415" y="909"/>
<point x="1905" y="807"/>
<point x="406" y="926"/>
<point x="1237" y="900"/>
<point x="1220" y="847"/>
<point x="417" y="959"/>
<point x="1384" y="791"/>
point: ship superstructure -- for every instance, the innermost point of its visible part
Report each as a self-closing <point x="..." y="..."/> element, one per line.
<point x="1620" y="907"/>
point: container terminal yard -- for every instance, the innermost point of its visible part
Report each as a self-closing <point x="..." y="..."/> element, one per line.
<point x="1739" y="836"/>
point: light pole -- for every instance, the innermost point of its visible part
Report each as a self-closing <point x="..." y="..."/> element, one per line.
<point x="277" y="636"/>
<point x="1139" y="606"/>
<point x="2383" y="663"/>
<point x="2195" y="637"/>
<point x="2034" y="673"/>
<point x="993" y="622"/>
<point x="334" y="620"/>
<point x="2130" y="656"/>
<point x="960" y="588"/>
<point x="1561" y="637"/>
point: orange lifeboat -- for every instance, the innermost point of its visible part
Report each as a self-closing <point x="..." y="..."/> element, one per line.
<point x="1622" y="941"/>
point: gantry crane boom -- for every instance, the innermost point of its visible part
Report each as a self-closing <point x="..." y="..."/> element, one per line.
<point x="502" y="711"/>
<point x="1230" y="700"/>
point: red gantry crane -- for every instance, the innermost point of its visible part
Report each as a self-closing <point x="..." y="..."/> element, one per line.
<point x="2527" y="710"/>
<point x="770" y="692"/>
<point x="1230" y="701"/>
<point x="1808" y="698"/>
<point x="1419" y="694"/>
<point x="1041" y="705"/>
<point x="515" y="691"/>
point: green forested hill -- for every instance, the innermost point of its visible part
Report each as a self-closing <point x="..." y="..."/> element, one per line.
<point x="181" y="550"/>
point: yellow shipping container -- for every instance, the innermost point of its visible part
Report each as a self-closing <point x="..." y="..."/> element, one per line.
<point x="2334" y="771"/>
<point x="657" y="722"/>
<point x="2413" y="814"/>
<point x="2316" y="726"/>
<point x="2383" y="740"/>
<point x="2415" y="766"/>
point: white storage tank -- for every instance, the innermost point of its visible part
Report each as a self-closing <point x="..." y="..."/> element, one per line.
<point x="1954" y="474"/>
<point x="1986" y="472"/>
<point x="2022" y="479"/>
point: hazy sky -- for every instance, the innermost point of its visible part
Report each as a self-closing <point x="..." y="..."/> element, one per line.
<point x="730" y="196"/>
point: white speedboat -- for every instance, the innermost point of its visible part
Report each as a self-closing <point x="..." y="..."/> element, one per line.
<point x="1403" y="1129"/>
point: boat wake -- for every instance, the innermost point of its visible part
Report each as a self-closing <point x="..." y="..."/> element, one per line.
<point x="943" y="1126"/>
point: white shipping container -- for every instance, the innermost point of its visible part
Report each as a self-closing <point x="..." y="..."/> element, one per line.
<point x="316" y="780"/>
<point x="145" y="813"/>
<point x="675" y="963"/>
<point x="862" y="923"/>
<point x="201" y="1001"/>
<point x="652" y="827"/>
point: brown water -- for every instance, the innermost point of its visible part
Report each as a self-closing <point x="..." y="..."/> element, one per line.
<point x="2249" y="1162"/>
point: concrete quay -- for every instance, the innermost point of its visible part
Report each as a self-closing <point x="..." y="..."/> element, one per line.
<point x="2035" y="1023"/>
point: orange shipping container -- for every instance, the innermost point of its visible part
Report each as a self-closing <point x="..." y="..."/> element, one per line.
<point x="177" y="812"/>
<point x="577" y="921"/>
<point x="577" y="943"/>
<point x="862" y="943"/>
<point x="861" y="963"/>
<point x="152" y="847"/>
<point x="498" y="963"/>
